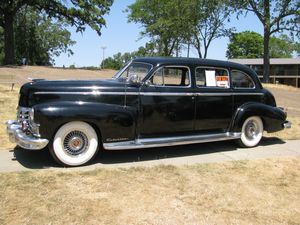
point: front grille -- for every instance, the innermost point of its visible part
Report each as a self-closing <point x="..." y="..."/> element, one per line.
<point x="23" y="114"/>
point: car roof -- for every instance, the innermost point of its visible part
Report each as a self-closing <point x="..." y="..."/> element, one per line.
<point x="191" y="61"/>
<point x="194" y="62"/>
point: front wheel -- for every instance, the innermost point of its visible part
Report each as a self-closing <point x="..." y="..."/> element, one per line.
<point x="74" y="144"/>
<point x="252" y="131"/>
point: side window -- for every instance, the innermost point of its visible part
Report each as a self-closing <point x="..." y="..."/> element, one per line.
<point x="212" y="77"/>
<point x="171" y="76"/>
<point x="241" y="80"/>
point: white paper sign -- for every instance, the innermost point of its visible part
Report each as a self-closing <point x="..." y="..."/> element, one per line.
<point x="210" y="76"/>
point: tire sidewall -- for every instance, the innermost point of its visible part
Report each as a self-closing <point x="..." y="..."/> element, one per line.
<point x="58" y="149"/>
<point x="245" y="141"/>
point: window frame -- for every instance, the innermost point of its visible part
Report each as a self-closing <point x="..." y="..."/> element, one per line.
<point x="120" y="72"/>
<point x="172" y="66"/>
<point x="216" y="87"/>
<point x="243" y="88"/>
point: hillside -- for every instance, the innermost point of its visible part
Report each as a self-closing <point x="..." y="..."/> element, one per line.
<point x="21" y="73"/>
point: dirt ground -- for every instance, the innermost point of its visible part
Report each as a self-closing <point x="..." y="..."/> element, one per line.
<point x="243" y="192"/>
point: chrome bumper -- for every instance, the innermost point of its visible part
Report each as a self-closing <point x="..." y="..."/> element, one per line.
<point x="287" y="124"/>
<point x="27" y="141"/>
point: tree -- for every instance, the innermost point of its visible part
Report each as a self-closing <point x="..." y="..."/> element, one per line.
<point x="209" y="26"/>
<point x="166" y="22"/>
<point x="282" y="47"/>
<point x="119" y="60"/>
<point x="38" y="38"/>
<point x="76" y="13"/>
<point x="275" y="16"/>
<point x="249" y="44"/>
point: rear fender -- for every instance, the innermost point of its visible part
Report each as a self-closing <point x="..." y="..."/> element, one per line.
<point x="272" y="117"/>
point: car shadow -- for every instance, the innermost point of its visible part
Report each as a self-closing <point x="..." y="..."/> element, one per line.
<point x="42" y="159"/>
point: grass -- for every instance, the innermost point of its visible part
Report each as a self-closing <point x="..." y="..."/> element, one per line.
<point x="8" y="105"/>
<point x="245" y="192"/>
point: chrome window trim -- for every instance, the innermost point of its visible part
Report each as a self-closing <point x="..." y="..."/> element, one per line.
<point x="212" y="67"/>
<point x="173" y="66"/>
<point x="241" y="88"/>
<point x="117" y="75"/>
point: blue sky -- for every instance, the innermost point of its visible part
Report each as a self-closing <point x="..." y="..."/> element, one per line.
<point x="121" y="36"/>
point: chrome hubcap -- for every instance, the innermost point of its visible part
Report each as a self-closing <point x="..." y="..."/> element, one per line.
<point x="75" y="143"/>
<point x="251" y="130"/>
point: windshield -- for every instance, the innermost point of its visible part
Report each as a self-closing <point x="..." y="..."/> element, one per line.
<point x="135" y="68"/>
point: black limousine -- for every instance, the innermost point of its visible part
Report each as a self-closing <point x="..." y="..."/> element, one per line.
<point x="151" y="102"/>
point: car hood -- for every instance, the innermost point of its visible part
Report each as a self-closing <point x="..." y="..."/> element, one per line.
<point x="63" y="86"/>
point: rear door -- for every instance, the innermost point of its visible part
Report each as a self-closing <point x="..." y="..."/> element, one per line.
<point x="214" y="100"/>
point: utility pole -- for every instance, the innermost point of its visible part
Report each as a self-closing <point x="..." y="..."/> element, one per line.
<point x="103" y="56"/>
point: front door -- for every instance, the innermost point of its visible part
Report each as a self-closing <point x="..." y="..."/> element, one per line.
<point x="167" y="105"/>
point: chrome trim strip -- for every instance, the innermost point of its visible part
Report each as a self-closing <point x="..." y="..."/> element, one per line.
<point x="167" y="94"/>
<point x="146" y="93"/>
<point x="86" y="93"/>
<point x="170" y="141"/>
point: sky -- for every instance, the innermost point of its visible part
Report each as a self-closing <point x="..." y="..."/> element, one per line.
<point x="121" y="36"/>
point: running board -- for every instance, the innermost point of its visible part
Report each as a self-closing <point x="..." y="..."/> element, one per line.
<point x="170" y="141"/>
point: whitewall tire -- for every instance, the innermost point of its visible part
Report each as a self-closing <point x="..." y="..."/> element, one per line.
<point x="75" y="144"/>
<point x="252" y="132"/>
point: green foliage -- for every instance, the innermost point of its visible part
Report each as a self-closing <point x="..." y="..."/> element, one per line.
<point x="249" y="44"/>
<point x="119" y="60"/>
<point x="38" y="38"/>
<point x="79" y="13"/>
<point x="165" y="22"/>
<point x="282" y="47"/>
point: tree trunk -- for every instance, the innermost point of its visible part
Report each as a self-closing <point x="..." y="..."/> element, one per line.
<point x="9" y="50"/>
<point x="266" y="75"/>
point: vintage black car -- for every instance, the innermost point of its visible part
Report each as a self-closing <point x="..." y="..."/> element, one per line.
<point x="151" y="102"/>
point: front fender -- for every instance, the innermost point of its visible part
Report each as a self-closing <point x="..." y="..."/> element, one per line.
<point x="112" y="121"/>
<point x="272" y="117"/>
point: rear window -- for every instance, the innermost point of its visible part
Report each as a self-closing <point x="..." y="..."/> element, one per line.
<point x="212" y="77"/>
<point x="241" y="80"/>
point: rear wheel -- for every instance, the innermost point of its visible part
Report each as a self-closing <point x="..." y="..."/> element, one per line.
<point x="252" y="131"/>
<point x="74" y="144"/>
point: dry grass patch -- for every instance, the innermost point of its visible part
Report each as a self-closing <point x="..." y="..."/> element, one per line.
<point x="245" y="192"/>
<point x="280" y="86"/>
<point x="8" y="105"/>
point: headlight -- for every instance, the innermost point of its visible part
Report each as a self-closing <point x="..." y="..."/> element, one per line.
<point x="31" y="114"/>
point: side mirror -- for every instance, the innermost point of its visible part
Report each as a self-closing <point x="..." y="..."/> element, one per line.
<point x="134" y="79"/>
<point x="148" y="83"/>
